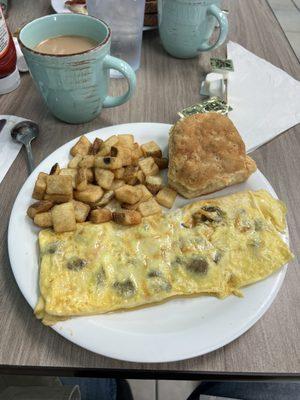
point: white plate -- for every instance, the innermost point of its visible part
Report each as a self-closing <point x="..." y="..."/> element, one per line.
<point x="59" y="7"/>
<point x="176" y="330"/>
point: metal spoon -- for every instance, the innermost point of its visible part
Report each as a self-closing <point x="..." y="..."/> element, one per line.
<point x="24" y="132"/>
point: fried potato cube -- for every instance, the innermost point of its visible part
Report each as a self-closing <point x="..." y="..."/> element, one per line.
<point x="104" y="150"/>
<point x="166" y="197"/>
<point x="138" y="150"/>
<point x="59" y="198"/>
<point x="81" y="181"/>
<point x="63" y="217"/>
<point x="136" y="154"/>
<point x="91" y="194"/>
<point x="87" y="162"/>
<point x="106" y="198"/>
<point x="39" y="207"/>
<point x="149" y="207"/>
<point x="40" y="186"/>
<point x="90" y="174"/>
<point x="104" y="177"/>
<point x="97" y="143"/>
<point x="126" y="140"/>
<point x="154" y="183"/>
<point x="146" y="196"/>
<point x="128" y="194"/>
<point x="148" y="166"/>
<point x="124" y="153"/>
<point x="151" y="149"/>
<point x="140" y="176"/>
<point x="127" y="206"/>
<point x="81" y="147"/>
<point x="70" y="172"/>
<point x="162" y="163"/>
<point x="81" y="210"/>
<point x="43" y="220"/>
<point x="127" y="217"/>
<point x="100" y="215"/>
<point x="59" y="184"/>
<point x="119" y="173"/>
<point x="114" y="151"/>
<point x="114" y="205"/>
<point x="111" y="141"/>
<point x="108" y="162"/>
<point x="75" y="161"/>
<point x="55" y="170"/>
<point x="146" y="193"/>
<point x="117" y="183"/>
<point x="130" y="174"/>
<point x="73" y="173"/>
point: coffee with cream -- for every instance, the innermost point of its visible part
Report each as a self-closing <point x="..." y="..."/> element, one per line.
<point x="66" y="45"/>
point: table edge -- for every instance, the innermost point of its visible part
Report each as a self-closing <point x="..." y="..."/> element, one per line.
<point x="147" y="374"/>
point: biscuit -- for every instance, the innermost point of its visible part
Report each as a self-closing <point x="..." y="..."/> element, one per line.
<point x="206" y="154"/>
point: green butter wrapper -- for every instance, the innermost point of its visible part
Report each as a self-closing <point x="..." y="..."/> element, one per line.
<point x="221" y="64"/>
<point x="214" y="104"/>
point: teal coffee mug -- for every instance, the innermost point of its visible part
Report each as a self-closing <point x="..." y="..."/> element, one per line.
<point x="185" y="26"/>
<point x="74" y="86"/>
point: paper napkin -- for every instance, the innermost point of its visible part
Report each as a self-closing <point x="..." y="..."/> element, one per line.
<point x="264" y="98"/>
<point x="8" y="148"/>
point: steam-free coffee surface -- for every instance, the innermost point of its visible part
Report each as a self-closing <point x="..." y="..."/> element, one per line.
<point x="66" y="44"/>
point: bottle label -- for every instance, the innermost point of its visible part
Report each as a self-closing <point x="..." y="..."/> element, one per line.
<point x="4" y="35"/>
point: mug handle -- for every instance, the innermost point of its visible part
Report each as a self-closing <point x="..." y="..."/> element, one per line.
<point x="223" y="22"/>
<point x="126" y="70"/>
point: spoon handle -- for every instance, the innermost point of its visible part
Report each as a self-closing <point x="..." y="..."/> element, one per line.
<point x="29" y="157"/>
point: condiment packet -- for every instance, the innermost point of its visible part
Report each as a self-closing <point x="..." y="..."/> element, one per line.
<point x="221" y="66"/>
<point x="214" y="104"/>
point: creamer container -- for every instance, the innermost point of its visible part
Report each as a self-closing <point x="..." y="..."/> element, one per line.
<point x="9" y="74"/>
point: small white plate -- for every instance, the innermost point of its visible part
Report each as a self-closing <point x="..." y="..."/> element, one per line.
<point x="59" y="7"/>
<point x="176" y="330"/>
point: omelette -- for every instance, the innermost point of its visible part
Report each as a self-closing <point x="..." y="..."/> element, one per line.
<point x="213" y="247"/>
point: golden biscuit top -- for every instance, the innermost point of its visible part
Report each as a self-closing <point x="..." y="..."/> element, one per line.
<point x="204" y="150"/>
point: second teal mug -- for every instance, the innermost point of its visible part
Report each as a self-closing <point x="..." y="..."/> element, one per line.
<point x="74" y="86"/>
<point x="185" y="26"/>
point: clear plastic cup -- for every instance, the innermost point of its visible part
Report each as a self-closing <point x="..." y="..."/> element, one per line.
<point x="126" y="20"/>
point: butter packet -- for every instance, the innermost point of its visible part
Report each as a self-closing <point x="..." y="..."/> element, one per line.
<point x="214" y="104"/>
<point x="221" y="64"/>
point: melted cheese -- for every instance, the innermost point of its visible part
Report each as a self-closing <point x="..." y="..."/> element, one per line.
<point x="209" y="247"/>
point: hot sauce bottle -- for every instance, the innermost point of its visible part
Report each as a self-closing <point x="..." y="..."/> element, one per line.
<point x="9" y="74"/>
